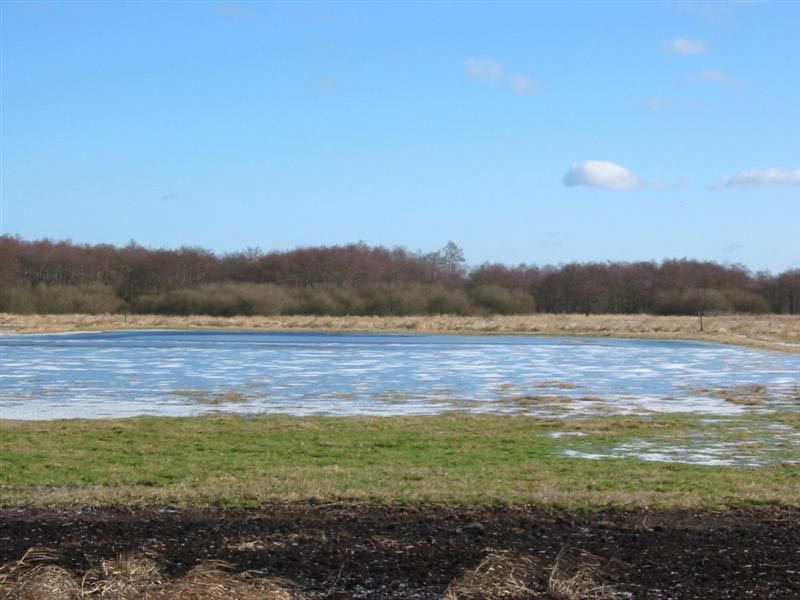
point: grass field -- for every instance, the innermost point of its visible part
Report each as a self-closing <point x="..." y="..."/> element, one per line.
<point x="454" y="459"/>
<point x="775" y="332"/>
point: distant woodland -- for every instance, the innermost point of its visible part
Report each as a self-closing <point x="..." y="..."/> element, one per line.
<point x="45" y="276"/>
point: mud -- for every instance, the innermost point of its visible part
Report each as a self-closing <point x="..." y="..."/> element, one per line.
<point x="369" y="551"/>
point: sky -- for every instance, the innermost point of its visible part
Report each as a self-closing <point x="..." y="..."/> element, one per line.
<point x="542" y="132"/>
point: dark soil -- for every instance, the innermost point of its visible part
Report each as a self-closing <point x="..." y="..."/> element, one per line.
<point x="367" y="551"/>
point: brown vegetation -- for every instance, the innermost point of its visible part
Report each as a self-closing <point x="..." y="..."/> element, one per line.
<point x="747" y="394"/>
<point x="132" y="577"/>
<point x="499" y="575"/>
<point x="776" y="332"/>
<point x="514" y="576"/>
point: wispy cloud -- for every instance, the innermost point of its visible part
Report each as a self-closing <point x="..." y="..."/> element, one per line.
<point x="666" y="184"/>
<point x="685" y="46"/>
<point x="483" y="69"/>
<point x="323" y="84"/>
<point x="714" y="76"/>
<point x="488" y="70"/>
<point x="714" y="12"/>
<point x="659" y="103"/>
<point x="235" y="10"/>
<point x="522" y="85"/>
<point x="732" y="248"/>
<point x="756" y="178"/>
<point x="656" y="103"/>
<point x="602" y="174"/>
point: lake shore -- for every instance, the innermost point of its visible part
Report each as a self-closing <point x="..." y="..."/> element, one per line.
<point x="770" y="332"/>
<point x="227" y="460"/>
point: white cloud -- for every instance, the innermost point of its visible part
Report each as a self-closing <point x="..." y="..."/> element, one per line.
<point x="687" y="46"/>
<point x="755" y="178"/>
<point x="522" y="85"/>
<point x="602" y="174"/>
<point x="483" y="69"/>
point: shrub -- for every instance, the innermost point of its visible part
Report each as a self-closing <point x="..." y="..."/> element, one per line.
<point x="395" y="300"/>
<point x="747" y="302"/>
<point x="17" y="299"/>
<point x="692" y="301"/>
<point x="319" y="300"/>
<point x="443" y="301"/>
<point x="93" y="298"/>
<point x="224" y="300"/>
<point x="501" y="300"/>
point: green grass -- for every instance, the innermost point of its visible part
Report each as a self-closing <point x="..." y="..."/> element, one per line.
<point x="247" y="461"/>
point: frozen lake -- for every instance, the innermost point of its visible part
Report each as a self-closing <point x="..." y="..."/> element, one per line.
<point x="179" y="373"/>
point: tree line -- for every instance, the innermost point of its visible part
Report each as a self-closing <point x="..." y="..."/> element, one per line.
<point x="45" y="276"/>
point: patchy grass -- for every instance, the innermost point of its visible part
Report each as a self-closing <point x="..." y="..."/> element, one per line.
<point x="748" y="394"/>
<point x="537" y="400"/>
<point x="775" y="332"/>
<point x="210" y="397"/>
<point x="746" y="441"/>
<point x="558" y="385"/>
<point x="455" y="458"/>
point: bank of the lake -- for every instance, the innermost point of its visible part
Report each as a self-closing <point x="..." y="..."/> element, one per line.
<point x="772" y="332"/>
<point x="452" y="459"/>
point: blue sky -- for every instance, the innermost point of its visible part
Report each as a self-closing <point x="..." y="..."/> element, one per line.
<point x="525" y="132"/>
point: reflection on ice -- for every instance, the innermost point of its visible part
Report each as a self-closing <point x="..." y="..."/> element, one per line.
<point x="137" y="372"/>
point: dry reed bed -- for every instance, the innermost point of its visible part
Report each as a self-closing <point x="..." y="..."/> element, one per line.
<point x="775" y="332"/>
<point x="500" y="575"/>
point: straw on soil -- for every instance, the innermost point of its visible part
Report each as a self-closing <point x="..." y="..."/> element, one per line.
<point x="40" y="582"/>
<point x="134" y="577"/>
<point x="513" y="576"/>
<point x="500" y="575"/>
<point x="576" y="577"/>
<point x="30" y="578"/>
<point x="125" y="578"/>
<point x="212" y="581"/>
